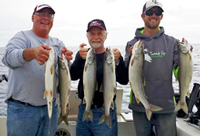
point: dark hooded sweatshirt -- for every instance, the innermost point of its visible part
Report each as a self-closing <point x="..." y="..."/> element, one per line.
<point x="163" y="50"/>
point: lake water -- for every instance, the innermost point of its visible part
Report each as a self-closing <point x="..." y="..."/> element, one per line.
<point x="126" y="88"/>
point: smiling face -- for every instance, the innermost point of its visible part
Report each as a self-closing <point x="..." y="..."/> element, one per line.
<point x="96" y="37"/>
<point x="42" y="24"/>
<point x="153" y="21"/>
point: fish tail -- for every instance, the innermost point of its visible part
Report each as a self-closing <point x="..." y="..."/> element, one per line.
<point x="60" y="119"/>
<point x="49" y="131"/>
<point x="107" y="119"/>
<point x="87" y="115"/>
<point x="182" y="106"/>
<point x="152" y="108"/>
<point x="148" y="113"/>
<point x="155" y="108"/>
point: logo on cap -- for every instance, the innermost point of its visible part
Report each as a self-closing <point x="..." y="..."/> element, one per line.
<point x="95" y="23"/>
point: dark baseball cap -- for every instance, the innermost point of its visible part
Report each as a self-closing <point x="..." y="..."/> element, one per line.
<point x="96" y="23"/>
<point x="40" y="7"/>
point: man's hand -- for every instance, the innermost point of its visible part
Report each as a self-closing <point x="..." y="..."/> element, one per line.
<point x="83" y="51"/>
<point x="40" y="53"/>
<point x="67" y="53"/>
<point x="116" y="53"/>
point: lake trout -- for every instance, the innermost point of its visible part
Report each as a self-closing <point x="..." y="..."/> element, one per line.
<point x="49" y="81"/>
<point x="109" y="85"/>
<point x="89" y="82"/>
<point x="184" y="74"/>
<point x="64" y="89"/>
<point x="136" y="79"/>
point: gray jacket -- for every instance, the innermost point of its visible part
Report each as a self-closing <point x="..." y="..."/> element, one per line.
<point x="163" y="51"/>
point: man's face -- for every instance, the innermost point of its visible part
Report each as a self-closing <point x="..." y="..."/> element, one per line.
<point x="152" y="17"/>
<point x="96" y="37"/>
<point x="43" y="21"/>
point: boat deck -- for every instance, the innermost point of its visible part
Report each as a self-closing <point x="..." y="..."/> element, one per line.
<point x="125" y="120"/>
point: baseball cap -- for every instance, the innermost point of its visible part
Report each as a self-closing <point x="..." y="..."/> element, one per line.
<point x="43" y="6"/>
<point x="96" y="23"/>
<point x="150" y="4"/>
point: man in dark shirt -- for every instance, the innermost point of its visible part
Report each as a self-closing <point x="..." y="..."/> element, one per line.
<point x="96" y="34"/>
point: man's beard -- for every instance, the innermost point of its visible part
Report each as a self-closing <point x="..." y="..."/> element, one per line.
<point x="152" y="25"/>
<point x="96" y="45"/>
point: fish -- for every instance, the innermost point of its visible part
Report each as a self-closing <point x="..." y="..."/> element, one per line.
<point x="64" y="89"/>
<point x="89" y="83"/>
<point x="137" y="81"/>
<point x="184" y="76"/>
<point x="109" y="86"/>
<point x="49" y="81"/>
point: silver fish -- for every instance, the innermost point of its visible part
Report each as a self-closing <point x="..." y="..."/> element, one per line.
<point x="109" y="85"/>
<point x="64" y="89"/>
<point x="184" y="74"/>
<point x="89" y="82"/>
<point x="136" y="79"/>
<point x="49" y="81"/>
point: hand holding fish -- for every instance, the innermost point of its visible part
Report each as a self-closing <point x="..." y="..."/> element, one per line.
<point x="67" y="53"/>
<point x="117" y="53"/>
<point x="39" y="53"/>
<point x="83" y="51"/>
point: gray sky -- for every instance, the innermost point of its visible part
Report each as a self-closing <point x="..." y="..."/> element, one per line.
<point x="122" y="17"/>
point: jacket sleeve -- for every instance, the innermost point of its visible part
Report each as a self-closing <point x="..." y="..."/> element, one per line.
<point x="76" y="69"/>
<point x="121" y="72"/>
<point x="13" y="57"/>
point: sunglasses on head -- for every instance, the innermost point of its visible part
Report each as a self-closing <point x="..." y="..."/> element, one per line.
<point x="150" y="12"/>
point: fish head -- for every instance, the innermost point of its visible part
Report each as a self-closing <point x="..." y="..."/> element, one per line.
<point x="109" y="56"/>
<point x="184" y="46"/>
<point x="52" y="55"/>
<point x="137" y="49"/>
<point x="62" y="61"/>
<point x="90" y="56"/>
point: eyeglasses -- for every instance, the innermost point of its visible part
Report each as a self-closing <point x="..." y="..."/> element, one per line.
<point x="150" y="13"/>
<point x="44" y="14"/>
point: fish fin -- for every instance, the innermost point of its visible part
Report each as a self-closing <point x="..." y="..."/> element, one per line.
<point x="107" y="119"/>
<point x="85" y="67"/>
<point x="87" y="115"/>
<point x="188" y="93"/>
<point x="132" y="62"/>
<point x="102" y="119"/>
<point x="137" y="100"/>
<point x="65" y="120"/>
<point x="49" y="131"/>
<point x="112" y="105"/>
<point x="115" y="90"/>
<point x="144" y="81"/>
<point x="51" y="93"/>
<point x="60" y="119"/>
<point x="84" y="101"/>
<point x="155" y="108"/>
<point x="182" y="106"/>
<point x="51" y="69"/>
<point x="46" y="93"/>
<point x="148" y="114"/>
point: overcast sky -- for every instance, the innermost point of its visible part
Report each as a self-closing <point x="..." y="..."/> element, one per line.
<point x="122" y="17"/>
